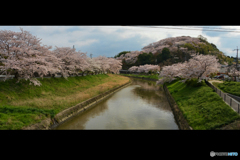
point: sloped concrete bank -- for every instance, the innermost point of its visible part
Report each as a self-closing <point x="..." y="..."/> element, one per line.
<point x="181" y="121"/>
<point x="69" y="113"/>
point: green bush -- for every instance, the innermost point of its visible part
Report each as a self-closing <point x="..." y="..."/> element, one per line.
<point x="230" y="87"/>
<point x="221" y="87"/>
<point x="194" y="82"/>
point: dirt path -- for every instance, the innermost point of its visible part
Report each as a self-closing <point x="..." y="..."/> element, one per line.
<point x="210" y="81"/>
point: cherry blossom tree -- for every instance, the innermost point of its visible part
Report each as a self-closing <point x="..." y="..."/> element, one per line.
<point x="170" y="43"/>
<point x="115" y="65"/>
<point x="152" y="68"/>
<point x="23" y="55"/>
<point x="233" y="72"/>
<point x="94" y="65"/>
<point x="203" y="65"/>
<point x="144" y="68"/>
<point x="103" y="63"/>
<point x="72" y="62"/>
<point x="130" y="57"/>
<point x="199" y="66"/>
<point x="133" y="69"/>
<point x="169" y="73"/>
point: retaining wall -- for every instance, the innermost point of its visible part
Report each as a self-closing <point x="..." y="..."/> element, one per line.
<point x="181" y="121"/>
<point x="73" y="111"/>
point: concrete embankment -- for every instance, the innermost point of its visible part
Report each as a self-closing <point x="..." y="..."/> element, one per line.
<point x="73" y="111"/>
<point x="178" y="115"/>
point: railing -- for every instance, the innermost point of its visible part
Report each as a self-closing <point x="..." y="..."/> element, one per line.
<point x="228" y="98"/>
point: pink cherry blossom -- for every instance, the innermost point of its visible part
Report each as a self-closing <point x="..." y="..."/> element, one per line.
<point x="23" y="55"/>
<point x="199" y="66"/>
<point x="144" y="68"/>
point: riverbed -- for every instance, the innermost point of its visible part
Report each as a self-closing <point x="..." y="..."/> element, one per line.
<point x="141" y="105"/>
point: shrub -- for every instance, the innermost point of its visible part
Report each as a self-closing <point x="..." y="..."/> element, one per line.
<point x="175" y="90"/>
<point x="194" y="82"/>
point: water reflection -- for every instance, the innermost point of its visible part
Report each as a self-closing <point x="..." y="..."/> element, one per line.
<point x="151" y="94"/>
<point x="139" y="106"/>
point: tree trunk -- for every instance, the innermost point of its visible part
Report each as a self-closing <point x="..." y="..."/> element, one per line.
<point x="16" y="75"/>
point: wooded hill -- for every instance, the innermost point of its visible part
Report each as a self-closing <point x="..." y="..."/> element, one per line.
<point x="171" y="50"/>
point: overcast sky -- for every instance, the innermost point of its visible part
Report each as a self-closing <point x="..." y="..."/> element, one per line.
<point x="110" y="40"/>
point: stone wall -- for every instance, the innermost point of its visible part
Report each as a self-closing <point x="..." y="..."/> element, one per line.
<point x="179" y="118"/>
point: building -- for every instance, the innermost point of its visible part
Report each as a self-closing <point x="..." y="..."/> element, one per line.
<point x="223" y="69"/>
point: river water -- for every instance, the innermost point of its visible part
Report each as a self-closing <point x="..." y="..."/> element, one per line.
<point x="141" y="105"/>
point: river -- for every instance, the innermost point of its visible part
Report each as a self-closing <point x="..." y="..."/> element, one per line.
<point x="141" y="105"/>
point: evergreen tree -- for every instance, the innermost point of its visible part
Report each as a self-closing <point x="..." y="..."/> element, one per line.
<point x="145" y="58"/>
<point x="165" y="54"/>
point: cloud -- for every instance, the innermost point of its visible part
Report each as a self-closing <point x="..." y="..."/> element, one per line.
<point x="85" y="42"/>
<point x="110" y="40"/>
<point x="229" y="52"/>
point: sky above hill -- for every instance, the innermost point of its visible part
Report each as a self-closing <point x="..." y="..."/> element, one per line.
<point x="110" y="40"/>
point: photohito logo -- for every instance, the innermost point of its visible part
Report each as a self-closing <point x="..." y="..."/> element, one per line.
<point x="212" y="154"/>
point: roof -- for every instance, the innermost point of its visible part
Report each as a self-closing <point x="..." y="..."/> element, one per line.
<point x="224" y="65"/>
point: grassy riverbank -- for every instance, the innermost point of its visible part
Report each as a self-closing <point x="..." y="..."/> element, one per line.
<point x="154" y="76"/>
<point x="22" y="104"/>
<point x="229" y="87"/>
<point x="203" y="108"/>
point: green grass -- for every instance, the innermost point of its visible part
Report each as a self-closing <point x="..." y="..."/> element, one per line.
<point x="229" y="87"/>
<point x="22" y="104"/>
<point x="12" y="117"/>
<point x="154" y="76"/>
<point x="10" y="90"/>
<point x="201" y="106"/>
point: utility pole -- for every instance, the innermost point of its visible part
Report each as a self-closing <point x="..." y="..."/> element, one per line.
<point x="237" y="57"/>
<point x="91" y="55"/>
<point x="73" y="46"/>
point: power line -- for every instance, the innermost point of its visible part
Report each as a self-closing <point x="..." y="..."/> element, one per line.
<point x="215" y="28"/>
<point x="203" y="27"/>
<point x="170" y="27"/>
<point x="190" y="28"/>
<point x="143" y="28"/>
<point x="222" y="29"/>
<point x="163" y="27"/>
<point x="177" y="32"/>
